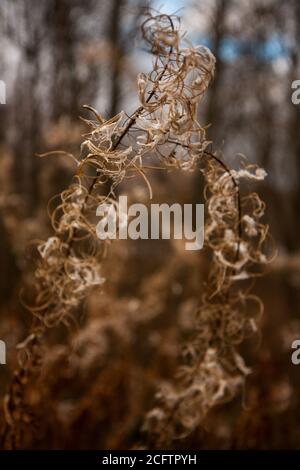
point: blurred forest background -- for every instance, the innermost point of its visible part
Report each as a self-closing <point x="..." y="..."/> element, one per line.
<point x="57" y="55"/>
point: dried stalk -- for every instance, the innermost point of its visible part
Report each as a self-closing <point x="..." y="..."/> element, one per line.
<point x="69" y="267"/>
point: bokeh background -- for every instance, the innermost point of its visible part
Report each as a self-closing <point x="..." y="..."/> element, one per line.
<point x="56" y="56"/>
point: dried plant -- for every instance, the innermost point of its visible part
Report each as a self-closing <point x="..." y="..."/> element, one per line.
<point x="165" y="126"/>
